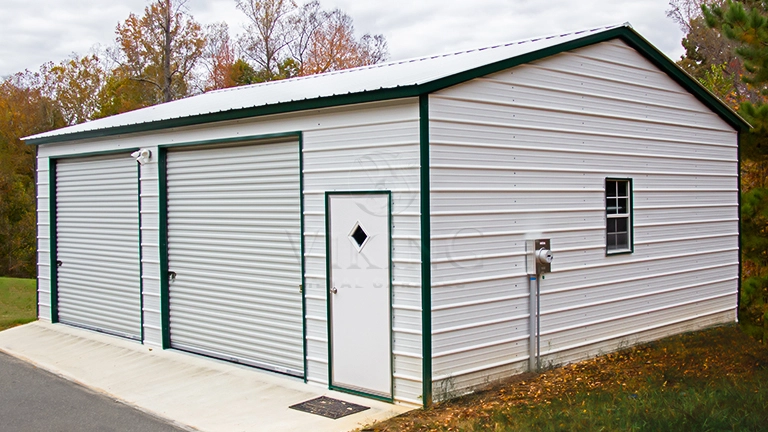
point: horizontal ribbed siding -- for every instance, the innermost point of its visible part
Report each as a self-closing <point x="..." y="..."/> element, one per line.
<point x="234" y="243"/>
<point x="97" y="230"/>
<point x="43" y="240"/>
<point x="381" y="155"/>
<point x="150" y="252"/>
<point x="524" y="154"/>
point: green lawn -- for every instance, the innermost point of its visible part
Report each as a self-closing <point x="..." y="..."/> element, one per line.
<point x="711" y="380"/>
<point x="17" y="302"/>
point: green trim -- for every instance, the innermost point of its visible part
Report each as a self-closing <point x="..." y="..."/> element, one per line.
<point x="627" y="34"/>
<point x="328" y="321"/>
<point x="96" y="153"/>
<point x="141" y="258"/>
<point x="302" y="288"/>
<point x="53" y="240"/>
<point x="53" y="225"/>
<point x="242" y="139"/>
<point x="631" y="227"/>
<point x="362" y="394"/>
<point x="635" y="40"/>
<point x="738" y="188"/>
<point x="37" y="235"/>
<point x="238" y="114"/>
<point x="329" y="316"/>
<point x="426" y="254"/>
<point x="165" y="306"/>
<point x="162" y="158"/>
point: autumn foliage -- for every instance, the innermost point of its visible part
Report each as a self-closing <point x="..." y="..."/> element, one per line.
<point x="713" y="380"/>
<point x="158" y="56"/>
<point x="24" y="110"/>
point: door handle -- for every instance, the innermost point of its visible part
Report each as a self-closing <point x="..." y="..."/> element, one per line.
<point x="334" y="290"/>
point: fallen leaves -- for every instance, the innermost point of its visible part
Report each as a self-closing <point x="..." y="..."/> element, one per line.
<point x="666" y="364"/>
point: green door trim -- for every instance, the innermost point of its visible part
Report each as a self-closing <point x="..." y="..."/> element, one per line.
<point x="52" y="225"/>
<point x="162" y="160"/>
<point x="53" y="234"/>
<point x="53" y="240"/>
<point x="328" y="195"/>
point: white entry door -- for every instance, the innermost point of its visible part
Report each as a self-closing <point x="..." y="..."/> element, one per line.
<point x="359" y="292"/>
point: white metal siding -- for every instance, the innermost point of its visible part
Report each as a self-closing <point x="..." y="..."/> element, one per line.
<point x="234" y="234"/>
<point x="379" y="153"/>
<point x="150" y="251"/>
<point x="524" y="154"/>
<point x="371" y="146"/>
<point x="97" y="234"/>
<point x="43" y="240"/>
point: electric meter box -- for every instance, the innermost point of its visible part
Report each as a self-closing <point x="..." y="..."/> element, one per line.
<point x="538" y="256"/>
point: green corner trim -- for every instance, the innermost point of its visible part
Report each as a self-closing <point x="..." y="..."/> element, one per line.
<point x="624" y="33"/>
<point x="426" y="254"/>
<point x="328" y="195"/>
<point x="738" y="189"/>
<point x="37" y="236"/>
<point x="165" y="306"/>
<point x="53" y="240"/>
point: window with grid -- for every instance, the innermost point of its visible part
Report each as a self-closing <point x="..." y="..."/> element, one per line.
<point x="618" y="210"/>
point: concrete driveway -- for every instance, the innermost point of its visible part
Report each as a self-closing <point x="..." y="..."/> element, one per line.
<point x="191" y="391"/>
<point x="33" y="400"/>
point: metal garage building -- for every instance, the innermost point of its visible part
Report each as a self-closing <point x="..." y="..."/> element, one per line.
<point x="373" y="230"/>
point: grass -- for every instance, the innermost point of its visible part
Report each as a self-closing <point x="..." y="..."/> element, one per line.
<point x="711" y="380"/>
<point x="17" y="302"/>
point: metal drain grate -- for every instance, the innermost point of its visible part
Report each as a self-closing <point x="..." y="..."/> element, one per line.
<point x="329" y="407"/>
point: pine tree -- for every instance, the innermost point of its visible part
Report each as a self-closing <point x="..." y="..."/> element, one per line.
<point x="746" y="24"/>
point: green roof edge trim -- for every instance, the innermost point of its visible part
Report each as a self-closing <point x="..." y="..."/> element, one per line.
<point x="624" y="33"/>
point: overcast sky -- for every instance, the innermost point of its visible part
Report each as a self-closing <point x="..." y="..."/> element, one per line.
<point x="35" y="31"/>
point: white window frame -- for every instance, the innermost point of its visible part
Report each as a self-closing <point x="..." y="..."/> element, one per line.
<point x="614" y="212"/>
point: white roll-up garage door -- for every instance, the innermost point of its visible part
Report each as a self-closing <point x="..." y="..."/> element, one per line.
<point x="234" y="228"/>
<point x="97" y="244"/>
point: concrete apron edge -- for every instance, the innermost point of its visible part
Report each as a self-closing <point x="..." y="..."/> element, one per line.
<point x="44" y="329"/>
<point x="52" y="369"/>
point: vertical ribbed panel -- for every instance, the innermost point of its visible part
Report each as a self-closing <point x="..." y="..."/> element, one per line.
<point x="234" y="232"/>
<point x="97" y="230"/>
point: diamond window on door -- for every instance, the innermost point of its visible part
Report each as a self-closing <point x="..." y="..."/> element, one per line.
<point x="358" y="236"/>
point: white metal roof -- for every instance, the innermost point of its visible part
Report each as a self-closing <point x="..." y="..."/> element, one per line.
<point x="390" y="75"/>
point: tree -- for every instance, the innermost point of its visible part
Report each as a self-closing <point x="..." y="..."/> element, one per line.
<point x="75" y="85"/>
<point x="24" y="110"/>
<point x="745" y="24"/>
<point x="160" y="50"/>
<point x="333" y="46"/>
<point x="122" y="93"/>
<point x="268" y="33"/>
<point x="285" y="41"/>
